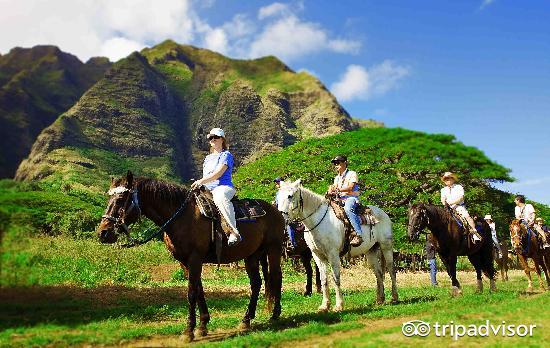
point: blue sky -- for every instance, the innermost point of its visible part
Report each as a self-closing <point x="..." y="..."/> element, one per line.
<point x="477" y="69"/>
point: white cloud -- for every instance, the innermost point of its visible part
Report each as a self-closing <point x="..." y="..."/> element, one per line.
<point x="216" y="40"/>
<point x="485" y="3"/>
<point x="289" y="38"/>
<point x="89" y="28"/>
<point x="272" y="10"/>
<point x="119" y="47"/>
<point x="359" y="83"/>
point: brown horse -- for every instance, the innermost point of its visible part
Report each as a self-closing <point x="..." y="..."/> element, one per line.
<point x="188" y="238"/>
<point x="527" y="246"/>
<point x="451" y="242"/>
<point x="502" y="262"/>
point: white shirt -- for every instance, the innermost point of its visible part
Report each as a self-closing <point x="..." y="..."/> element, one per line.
<point x="527" y="213"/>
<point x="454" y="193"/>
<point x="347" y="178"/>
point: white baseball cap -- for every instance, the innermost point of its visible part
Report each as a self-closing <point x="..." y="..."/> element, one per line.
<point x="216" y="131"/>
<point x="488" y="217"/>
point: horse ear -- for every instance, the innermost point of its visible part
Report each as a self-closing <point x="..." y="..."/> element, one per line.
<point x="297" y="182"/>
<point x="129" y="179"/>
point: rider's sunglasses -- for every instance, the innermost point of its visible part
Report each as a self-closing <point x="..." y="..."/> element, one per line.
<point x="210" y="137"/>
<point x="336" y="163"/>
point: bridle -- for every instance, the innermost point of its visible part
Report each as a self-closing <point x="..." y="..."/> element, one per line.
<point x="421" y="216"/>
<point x="300" y="206"/>
<point x="119" y="222"/>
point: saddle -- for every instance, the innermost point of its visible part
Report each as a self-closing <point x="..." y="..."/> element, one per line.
<point x="364" y="212"/>
<point x="246" y="210"/>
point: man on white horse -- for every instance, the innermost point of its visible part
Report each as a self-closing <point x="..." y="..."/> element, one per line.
<point x="346" y="188"/>
<point x="452" y="195"/>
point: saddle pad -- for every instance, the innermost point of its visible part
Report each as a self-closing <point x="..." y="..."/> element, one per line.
<point x="245" y="209"/>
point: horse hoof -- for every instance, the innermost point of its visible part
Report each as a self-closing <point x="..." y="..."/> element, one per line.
<point x="456" y="291"/>
<point x="337" y="309"/>
<point x="202" y="331"/>
<point x="187" y="337"/>
<point x="244" y="326"/>
<point x="394" y="301"/>
<point x="307" y="293"/>
<point x="529" y="289"/>
<point x="322" y="309"/>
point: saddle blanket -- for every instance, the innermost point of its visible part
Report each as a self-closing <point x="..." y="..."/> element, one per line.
<point x="245" y="209"/>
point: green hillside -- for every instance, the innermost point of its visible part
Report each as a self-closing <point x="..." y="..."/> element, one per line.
<point x="152" y="110"/>
<point x="396" y="167"/>
<point x="37" y="85"/>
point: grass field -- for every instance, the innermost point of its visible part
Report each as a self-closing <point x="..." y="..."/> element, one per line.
<point x="58" y="291"/>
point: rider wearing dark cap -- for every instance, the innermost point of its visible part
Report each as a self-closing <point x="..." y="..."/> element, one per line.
<point x="346" y="187"/>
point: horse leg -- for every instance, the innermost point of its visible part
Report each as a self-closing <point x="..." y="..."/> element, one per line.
<point x="203" y="310"/>
<point x="335" y="266"/>
<point x="388" y="257"/>
<point x="253" y="271"/>
<point x="373" y="257"/>
<point x="195" y="269"/>
<point x="317" y="278"/>
<point x="546" y="260"/>
<point x="451" y="270"/>
<point x="275" y="280"/>
<point x="305" y="257"/>
<point x="325" y="305"/>
<point x="476" y="261"/>
<point x="265" y="274"/>
<point x="539" y="263"/>
<point x="527" y="271"/>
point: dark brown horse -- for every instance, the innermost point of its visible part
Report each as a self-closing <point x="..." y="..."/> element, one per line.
<point x="188" y="238"/>
<point x="529" y="248"/>
<point x="502" y="262"/>
<point x="302" y="251"/>
<point x="452" y="241"/>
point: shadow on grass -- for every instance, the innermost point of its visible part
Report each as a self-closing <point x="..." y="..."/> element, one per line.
<point x="73" y="306"/>
<point x="294" y="321"/>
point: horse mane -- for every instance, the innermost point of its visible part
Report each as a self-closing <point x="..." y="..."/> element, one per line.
<point x="441" y="212"/>
<point x="165" y="191"/>
<point x="311" y="193"/>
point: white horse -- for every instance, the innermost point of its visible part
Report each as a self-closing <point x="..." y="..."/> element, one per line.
<point x="324" y="235"/>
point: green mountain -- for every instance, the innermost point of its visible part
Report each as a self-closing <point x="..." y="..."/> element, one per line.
<point x="151" y="111"/>
<point x="396" y="167"/>
<point x="37" y="85"/>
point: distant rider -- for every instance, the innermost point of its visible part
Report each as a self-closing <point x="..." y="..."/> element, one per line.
<point x="452" y="195"/>
<point x="525" y="212"/>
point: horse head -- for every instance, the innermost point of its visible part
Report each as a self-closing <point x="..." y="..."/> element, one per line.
<point x="122" y="209"/>
<point x="289" y="200"/>
<point x="418" y="220"/>
<point x="516" y="233"/>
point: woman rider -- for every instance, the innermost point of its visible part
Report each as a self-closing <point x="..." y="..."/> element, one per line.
<point x="216" y="177"/>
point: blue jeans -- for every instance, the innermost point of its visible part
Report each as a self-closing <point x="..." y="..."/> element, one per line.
<point x="433" y="271"/>
<point x="349" y="207"/>
<point x="290" y="231"/>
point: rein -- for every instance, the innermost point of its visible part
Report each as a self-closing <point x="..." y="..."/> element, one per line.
<point x="134" y="242"/>
<point x="301" y="207"/>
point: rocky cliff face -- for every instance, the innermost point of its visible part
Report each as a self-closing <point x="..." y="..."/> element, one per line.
<point x="153" y="110"/>
<point x="36" y="86"/>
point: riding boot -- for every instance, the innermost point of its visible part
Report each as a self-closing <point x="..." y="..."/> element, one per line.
<point x="356" y="239"/>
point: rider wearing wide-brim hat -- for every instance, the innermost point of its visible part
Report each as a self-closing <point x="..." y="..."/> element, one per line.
<point x="346" y="188"/>
<point x="452" y="195"/>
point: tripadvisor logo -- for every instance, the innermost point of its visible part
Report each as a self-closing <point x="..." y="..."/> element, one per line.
<point x="423" y="329"/>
